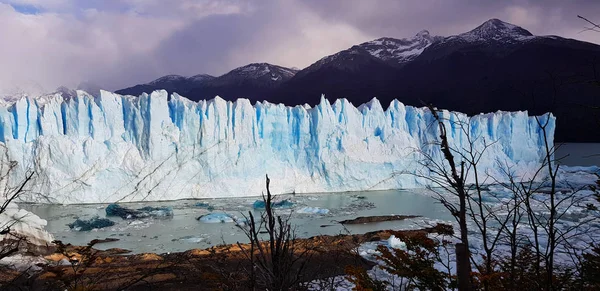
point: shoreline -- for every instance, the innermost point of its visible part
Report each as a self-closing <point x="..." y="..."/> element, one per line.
<point x="192" y="269"/>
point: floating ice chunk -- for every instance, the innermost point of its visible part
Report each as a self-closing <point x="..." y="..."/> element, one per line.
<point x="136" y="222"/>
<point x="194" y="239"/>
<point x="125" y="213"/>
<point x="147" y="211"/>
<point x="162" y="211"/>
<point x="93" y="223"/>
<point x="396" y="243"/>
<point x="260" y="204"/>
<point x="313" y="210"/>
<point x="216" y="217"/>
<point x="205" y="205"/>
<point x="190" y="239"/>
<point x="369" y="250"/>
<point x="24" y="223"/>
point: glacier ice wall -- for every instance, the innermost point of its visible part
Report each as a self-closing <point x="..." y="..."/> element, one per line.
<point x="111" y="148"/>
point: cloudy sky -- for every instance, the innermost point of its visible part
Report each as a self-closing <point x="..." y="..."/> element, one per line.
<point x="118" y="43"/>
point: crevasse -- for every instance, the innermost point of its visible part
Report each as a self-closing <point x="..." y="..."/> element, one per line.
<point x="125" y="148"/>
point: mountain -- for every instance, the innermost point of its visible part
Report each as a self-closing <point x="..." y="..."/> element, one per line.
<point x="358" y="71"/>
<point x="397" y="52"/>
<point x="254" y="81"/>
<point x="262" y="74"/>
<point x="171" y="83"/>
<point x="25" y="88"/>
<point x="495" y="30"/>
<point x="495" y="66"/>
<point x="381" y="52"/>
<point x="90" y="88"/>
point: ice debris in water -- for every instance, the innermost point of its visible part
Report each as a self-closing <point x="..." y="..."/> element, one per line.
<point x="147" y="211"/>
<point x="260" y="204"/>
<point x="216" y="217"/>
<point x="189" y="239"/>
<point x="162" y="211"/>
<point x="313" y="210"/>
<point x="205" y="205"/>
<point x="396" y="243"/>
<point x="93" y="223"/>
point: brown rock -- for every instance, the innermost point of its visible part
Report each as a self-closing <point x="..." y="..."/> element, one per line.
<point x="106" y="240"/>
<point x="150" y="257"/>
<point x="197" y="253"/>
<point x="55" y="257"/>
<point x="372" y="219"/>
<point x="189" y="270"/>
<point x="115" y="251"/>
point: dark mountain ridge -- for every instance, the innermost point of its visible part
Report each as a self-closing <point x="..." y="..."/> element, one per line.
<point x="496" y="66"/>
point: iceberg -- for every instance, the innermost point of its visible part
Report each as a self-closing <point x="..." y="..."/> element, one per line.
<point x="89" y="224"/>
<point x="261" y="204"/>
<point x="113" y="148"/>
<point x="313" y="210"/>
<point x="23" y="223"/>
<point x="396" y="243"/>
<point x="205" y="205"/>
<point x="146" y="211"/>
<point x="216" y="218"/>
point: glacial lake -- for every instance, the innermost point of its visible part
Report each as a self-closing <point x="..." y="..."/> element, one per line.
<point x="183" y="231"/>
<point x="578" y="154"/>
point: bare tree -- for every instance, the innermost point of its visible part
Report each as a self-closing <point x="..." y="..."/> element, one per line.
<point x="530" y="223"/>
<point x="453" y="180"/>
<point x="279" y="262"/>
<point x="11" y="192"/>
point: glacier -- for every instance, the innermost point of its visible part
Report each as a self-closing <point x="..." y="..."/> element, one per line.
<point x="113" y="148"/>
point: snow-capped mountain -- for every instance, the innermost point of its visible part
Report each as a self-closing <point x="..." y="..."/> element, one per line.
<point x="167" y="80"/>
<point x="495" y="66"/>
<point x="254" y="81"/>
<point x="171" y="83"/>
<point x="251" y="81"/>
<point x="260" y="73"/>
<point x="201" y="78"/>
<point x="496" y="30"/>
<point x="352" y="59"/>
<point x="493" y="37"/>
<point x="25" y="88"/>
<point x="391" y="51"/>
<point x="65" y="92"/>
<point x="175" y="81"/>
<point x="91" y="88"/>
<point x="399" y="51"/>
<point x="485" y="69"/>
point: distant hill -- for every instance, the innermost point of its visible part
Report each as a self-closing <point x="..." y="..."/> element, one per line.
<point x="171" y="83"/>
<point x="253" y="81"/>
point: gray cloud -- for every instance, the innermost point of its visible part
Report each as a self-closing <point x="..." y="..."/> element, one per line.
<point x="117" y="43"/>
